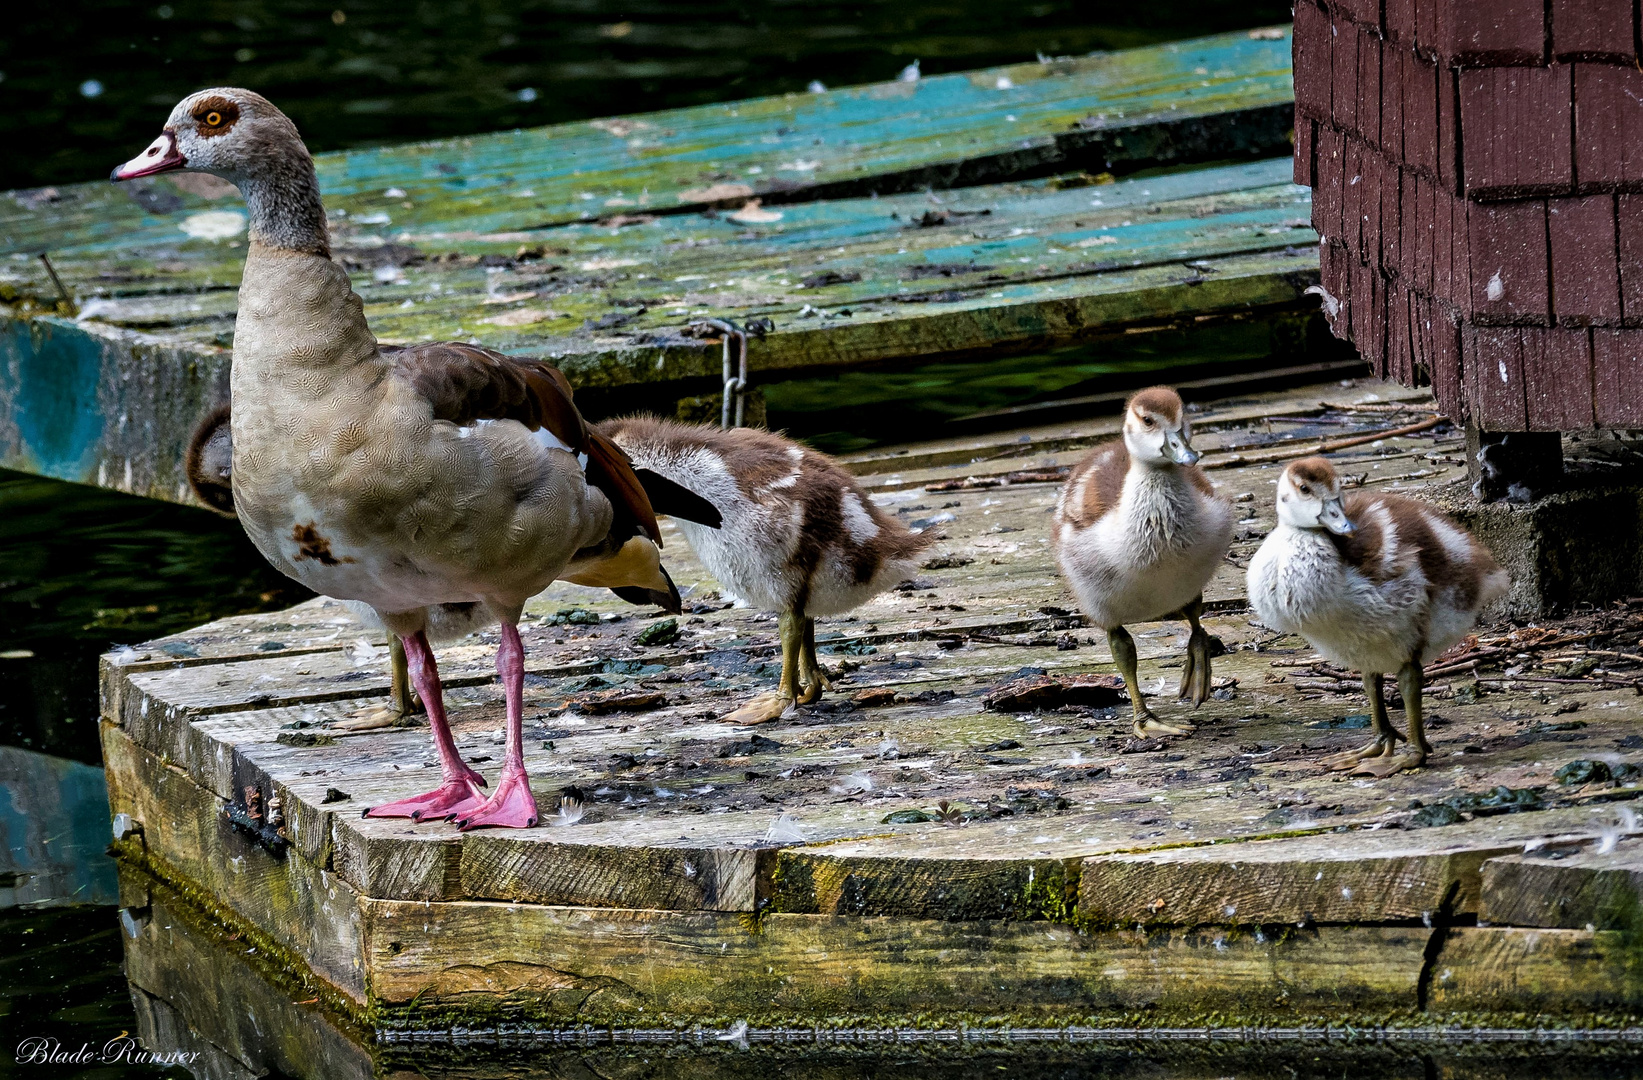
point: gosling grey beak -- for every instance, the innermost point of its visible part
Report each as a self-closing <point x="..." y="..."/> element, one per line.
<point x="161" y="156"/>
<point x="1333" y="517"/>
<point x="1178" y="449"/>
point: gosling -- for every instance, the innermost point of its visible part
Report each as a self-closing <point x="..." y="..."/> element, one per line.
<point x="1138" y="532"/>
<point x="799" y="536"/>
<point x="1377" y="584"/>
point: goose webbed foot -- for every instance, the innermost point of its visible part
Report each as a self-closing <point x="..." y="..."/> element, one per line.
<point x="1411" y="681"/>
<point x="771" y="705"/>
<point x="457" y="795"/>
<point x="511" y="806"/>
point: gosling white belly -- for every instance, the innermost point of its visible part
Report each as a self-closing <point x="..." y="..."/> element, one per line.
<point x="1150" y="556"/>
<point x="1299" y="584"/>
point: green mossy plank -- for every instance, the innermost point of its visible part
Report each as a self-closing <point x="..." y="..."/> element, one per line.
<point x="496" y="961"/>
<point x="1217" y="97"/>
<point x="1569" y="885"/>
<point x="1535" y="975"/>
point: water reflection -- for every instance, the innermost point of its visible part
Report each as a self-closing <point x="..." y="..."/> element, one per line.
<point x="53" y="831"/>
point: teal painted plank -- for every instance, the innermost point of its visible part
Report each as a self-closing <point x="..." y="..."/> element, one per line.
<point x="610" y="304"/>
<point x="1221" y="97"/>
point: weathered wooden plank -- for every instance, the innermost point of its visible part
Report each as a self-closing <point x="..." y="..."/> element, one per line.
<point x="1424" y="875"/>
<point x="197" y="990"/>
<point x="1538" y="974"/>
<point x="1218" y="97"/>
<point x="311" y="916"/>
<point x="623" y="967"/>
<point x="640" y="865"/>
<point x="1577" y="889"/>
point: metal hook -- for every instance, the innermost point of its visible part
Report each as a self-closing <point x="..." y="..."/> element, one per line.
<point x="732" y="413"/>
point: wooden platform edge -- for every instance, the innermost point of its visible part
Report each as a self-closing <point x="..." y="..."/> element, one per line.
<point x="396" y="963"/>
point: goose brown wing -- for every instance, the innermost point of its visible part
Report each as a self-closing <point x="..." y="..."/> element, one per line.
<point x="465" y="383"/>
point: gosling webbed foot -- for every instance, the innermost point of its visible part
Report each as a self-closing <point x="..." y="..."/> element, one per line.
<point x="762" y="709"/>
<point x="1148" y="726"/>
<point x="1195" y="672"/>
<point x="1348" y="760"/>
<point x="1385" y="765"/>
<point x="375" y="718"/>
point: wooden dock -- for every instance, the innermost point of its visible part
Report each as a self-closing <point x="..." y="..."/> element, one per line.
<point x="957" y="838"/>
<point x="954" y="218"/>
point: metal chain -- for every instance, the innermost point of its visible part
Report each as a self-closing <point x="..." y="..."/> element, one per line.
<point x="733" y="410"/>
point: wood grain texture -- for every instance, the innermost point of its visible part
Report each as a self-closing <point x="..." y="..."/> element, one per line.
<point x="1578" y="890"/>
<point x="620" y="966"/>
<point x="1551" y="974"/>
<point x="194" y="990"/>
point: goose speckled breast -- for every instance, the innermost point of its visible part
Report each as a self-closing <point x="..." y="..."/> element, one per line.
<point x="346" y="481"/>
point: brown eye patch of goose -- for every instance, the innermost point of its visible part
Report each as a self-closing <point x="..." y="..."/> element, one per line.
<point x="215" y="116"/>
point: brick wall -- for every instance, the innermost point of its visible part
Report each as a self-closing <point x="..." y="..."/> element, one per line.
<point x="1477" y="175"/>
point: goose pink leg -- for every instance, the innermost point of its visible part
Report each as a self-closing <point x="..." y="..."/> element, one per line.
<point x="458" y="791"/>
<point x="511" y="806"/>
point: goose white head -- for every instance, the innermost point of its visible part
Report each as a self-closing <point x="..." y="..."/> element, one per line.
<point x="226" y="131"/>
<point x="1309" y="497"/>
<point x="241" y="137"/>
<point x="1156" y="429"/>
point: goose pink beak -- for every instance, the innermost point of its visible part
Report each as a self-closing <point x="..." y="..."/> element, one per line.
<point x="161" y="156"/>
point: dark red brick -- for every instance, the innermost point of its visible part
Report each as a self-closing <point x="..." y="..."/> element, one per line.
<point x="1426" y="27"/>
<point x="1393" y="56"/>
<point x="1440" y="338"/>
<point x="1508" y="251"/>
<point x="1363" y="12"/>
<point x="1629" y="219"/>
<point x="1399" y="22"/>
<point x="1585" y="267"/>
<point x="1517" y="131"/>
<point x="1335" y="265"/>
<point x="1593" y="30"/>
<point x="1344" y="66"/>
<point x="1617" y="378"/>
<point x="1369" y="87"/>
<point x="1352" y="199"/>
<point x="1306" y="140"/>
<point x="1608" y="127"/>
<point x="1557" y="378"/>
<point x="1492" y="31"/>
<point x="1408" y="225"/>
<point x="1312" y="46"/>
<point x="1493" y="373"/>
<point x="1326" y="197"/>
<point x="1391" y="218"/>
<point x="1420" y="116"/>
<point x="1449" y="130"/>
<point x="1369" y="207"/>
<point x="1459" y="249"/>
<point x="1400" y="364"/>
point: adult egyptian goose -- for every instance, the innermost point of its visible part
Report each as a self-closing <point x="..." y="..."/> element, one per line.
<point x="1138" y="531"/>
<point x="634" y="572"/>
<point x="1376" y="583"/>
<point x="799" y="536"/>
<point x="367" y="474"/>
